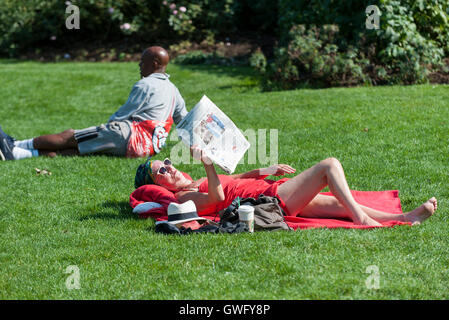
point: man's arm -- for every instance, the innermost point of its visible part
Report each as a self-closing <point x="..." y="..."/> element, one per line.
<point x="135" y="101"/>
<point x="180" y="108"/>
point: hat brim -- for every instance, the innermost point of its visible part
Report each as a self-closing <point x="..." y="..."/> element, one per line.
<point x="182" y="221"/>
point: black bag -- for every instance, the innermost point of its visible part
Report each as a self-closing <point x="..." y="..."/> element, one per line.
<point x="207" y="227"/>
<point x="268" y="215"/>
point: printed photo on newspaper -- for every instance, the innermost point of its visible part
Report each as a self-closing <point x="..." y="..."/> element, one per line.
<point x="209" y="128"/>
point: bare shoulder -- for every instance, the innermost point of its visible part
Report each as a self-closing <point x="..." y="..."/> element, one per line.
<point x="181" y="194"/>
<point x="186" y="195"/>
<point x="202" y="200"/>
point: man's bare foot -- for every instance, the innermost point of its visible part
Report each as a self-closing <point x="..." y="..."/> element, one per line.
<point x="422" y="213"/>
<point x="45" y="153"/>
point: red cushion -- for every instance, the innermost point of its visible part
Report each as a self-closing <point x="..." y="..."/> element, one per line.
<point x="152" y="193"/>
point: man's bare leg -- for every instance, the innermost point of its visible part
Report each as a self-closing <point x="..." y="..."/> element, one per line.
<point x="54" y="142"/>
<point x="65" y="152"/>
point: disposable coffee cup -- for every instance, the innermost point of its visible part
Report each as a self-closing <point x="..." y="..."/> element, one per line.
<point x="246" y="215"/>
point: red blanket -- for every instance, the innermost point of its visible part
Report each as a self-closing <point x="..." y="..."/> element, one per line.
<point x="387" y="201"/>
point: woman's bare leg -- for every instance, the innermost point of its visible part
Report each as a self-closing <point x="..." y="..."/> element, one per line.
<point x="422" y="212"/>
<point x="299" y="191"/>
<point x="327" y="206"/>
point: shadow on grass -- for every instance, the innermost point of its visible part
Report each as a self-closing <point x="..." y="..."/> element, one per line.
<point x="10" y="61"/>
<point x="115" y="210"/>
<point x="248" y="78"/>
<point x="251" y="79"/>
<point x="241" y="88"/>
<point x="232" y="71"/>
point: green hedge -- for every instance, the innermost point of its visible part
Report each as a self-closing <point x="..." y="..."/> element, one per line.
<point x="412" y="40"/>
<point x="326" y="43"/>
<point x="312" y="58"/>
<point x="25" y="23"/>
<point x="349" y="15"/>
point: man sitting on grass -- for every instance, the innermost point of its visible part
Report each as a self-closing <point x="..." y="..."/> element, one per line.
<point x="138" y="129"/>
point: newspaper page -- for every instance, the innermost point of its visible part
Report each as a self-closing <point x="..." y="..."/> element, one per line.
<point x="209" y="128"/>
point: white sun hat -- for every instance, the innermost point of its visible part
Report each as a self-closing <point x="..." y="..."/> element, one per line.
<point x="181" y="212"/>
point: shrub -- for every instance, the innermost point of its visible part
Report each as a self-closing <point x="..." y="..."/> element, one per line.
<point x="196" y="19"/>
<point x="412" y="41"/>
<point x="311" y="58"/>
<point x="258" y="61"/>
<point x="259" y="16"/>
<point x="409" y="42"/>
<point x="349" y="15"/>
<point x="25" y="23"/>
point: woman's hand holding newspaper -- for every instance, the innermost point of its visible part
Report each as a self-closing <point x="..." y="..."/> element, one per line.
<point x="199" y="154"/>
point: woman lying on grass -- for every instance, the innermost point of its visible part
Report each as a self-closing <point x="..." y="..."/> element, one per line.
<point x="299" y="196"/>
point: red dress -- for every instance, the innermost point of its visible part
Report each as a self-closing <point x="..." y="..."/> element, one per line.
<point x="243" y="188"/>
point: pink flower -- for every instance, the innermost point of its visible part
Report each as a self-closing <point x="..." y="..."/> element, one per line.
<point x="182" y="9"/>
<point x="53" y="38"/>
<point x="111" y="10"/>
<point x="125" y="26"/>
<point x="173" y="6"/>
<point x="175" y="12"/>
<point x="164" y="3"/>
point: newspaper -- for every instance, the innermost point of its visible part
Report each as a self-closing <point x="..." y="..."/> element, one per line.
<point x="212" y="131"/>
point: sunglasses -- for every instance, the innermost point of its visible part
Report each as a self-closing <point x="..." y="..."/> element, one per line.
<point x="163" y="169"/>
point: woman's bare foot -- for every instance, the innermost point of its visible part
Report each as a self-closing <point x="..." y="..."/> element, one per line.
<point x="367" y="221"/>
<point x="373" y="223"/>
<point x="422" y="213"/>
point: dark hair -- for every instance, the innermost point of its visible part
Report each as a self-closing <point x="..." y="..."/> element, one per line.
<point x="144" y="174"/>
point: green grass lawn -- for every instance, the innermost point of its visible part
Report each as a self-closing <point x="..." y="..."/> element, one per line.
<point x="385" y="137"/>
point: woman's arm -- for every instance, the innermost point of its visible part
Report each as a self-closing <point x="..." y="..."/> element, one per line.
<point x="275" y="170"/>
<point x="247" y="175"/>
<point x="214" y="188"/>
<point x="214" y="193"/>
<point x="202" y="200"/>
